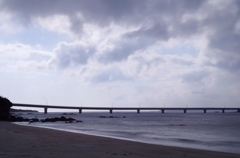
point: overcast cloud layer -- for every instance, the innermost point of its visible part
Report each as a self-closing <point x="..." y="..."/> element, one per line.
<point x="174" y="53"/>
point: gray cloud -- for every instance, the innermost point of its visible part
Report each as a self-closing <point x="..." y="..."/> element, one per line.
<point x="231" y="65"/>
<point x="157" y="21"/>
<point x="195" y="77"/>
<point x="101" y="12"/>
<point x="153" y="62"/>
<point x="105" y="12"/>
<point x="72" y="54"/>
<point x="110" y="75"/>
<point x="224" y="36"/>
<point x="123" y="50"/>
<point x="157" y="31"/>
<point x="182" y="62"/>
<point x="224" y="41"/>
<point x="76" y="25"/>
<point x="149" y="63"/>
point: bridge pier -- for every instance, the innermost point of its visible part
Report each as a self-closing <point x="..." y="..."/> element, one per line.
<point x="223" y="110"/>
<point x="45" y="110"/>
<point x="138" y="111"/>
<point x="110" y="111"/>
<point x="205" y="110"/>
<point x="162" y="110"/>
<point x="185" y="110"/>
<point x="80" y="111"/>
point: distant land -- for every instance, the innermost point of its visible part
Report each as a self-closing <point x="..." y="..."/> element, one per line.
<point x="20" y="110"/>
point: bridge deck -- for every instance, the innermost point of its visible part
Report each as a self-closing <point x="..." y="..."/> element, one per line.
<point x="125" y="108"/>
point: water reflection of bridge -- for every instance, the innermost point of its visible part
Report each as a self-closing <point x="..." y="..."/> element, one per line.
<point x="46" y="107"/>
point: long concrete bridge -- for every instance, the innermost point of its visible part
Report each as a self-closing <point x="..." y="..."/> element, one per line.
<point x="46" y="107"/>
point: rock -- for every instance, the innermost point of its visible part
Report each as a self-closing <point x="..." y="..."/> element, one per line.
<point x="62" y="118"/>
<point x="108" y="117"/>
<point x="5" y="115"/>
<point x="18" y="119"/>
<point x="5" y="106"/>
<point x="72" y="121"/>
<point x="33" y="120"/>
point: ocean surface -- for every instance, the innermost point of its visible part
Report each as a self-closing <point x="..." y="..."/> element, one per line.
<point x="209" y="131"/>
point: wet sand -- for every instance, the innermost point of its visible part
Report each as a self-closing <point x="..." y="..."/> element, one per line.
<point x="23" y="141"/>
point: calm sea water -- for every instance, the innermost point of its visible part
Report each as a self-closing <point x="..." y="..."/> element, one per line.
<point x="210" y="131"/>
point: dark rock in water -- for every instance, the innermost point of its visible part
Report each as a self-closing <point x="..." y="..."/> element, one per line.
<point x="124" y="116"/>
<point x="62" y="118"/>
<point x="108" y="117"/>
<point x="33" y="120"/>
<point x="72" y="121"/>
<point x="18" y="119"/>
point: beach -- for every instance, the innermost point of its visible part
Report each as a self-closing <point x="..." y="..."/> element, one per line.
<point x="24" y="141"/>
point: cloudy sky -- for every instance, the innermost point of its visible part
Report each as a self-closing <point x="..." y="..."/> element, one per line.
<point x="152" y="53"/>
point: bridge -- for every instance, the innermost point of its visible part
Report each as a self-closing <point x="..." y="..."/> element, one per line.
<point x="80" y="109"/>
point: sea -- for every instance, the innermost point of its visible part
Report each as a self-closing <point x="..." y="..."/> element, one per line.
<point x="214" y="131"/>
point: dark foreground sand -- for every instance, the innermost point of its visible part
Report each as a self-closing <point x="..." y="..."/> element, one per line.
<point x="22" y="141"/>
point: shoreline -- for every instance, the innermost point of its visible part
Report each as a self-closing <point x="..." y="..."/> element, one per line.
<point x="119" y="138"/>
<point x="42" y="142"/>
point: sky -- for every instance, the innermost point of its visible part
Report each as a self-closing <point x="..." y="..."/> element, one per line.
<point x="128" y="53"/>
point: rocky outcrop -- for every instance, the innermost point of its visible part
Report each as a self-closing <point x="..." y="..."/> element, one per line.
<point x="33" y="120"/>
<point x="18" y="119"/>
<point x="5" y="106"/>
<point x="55" y="119"/>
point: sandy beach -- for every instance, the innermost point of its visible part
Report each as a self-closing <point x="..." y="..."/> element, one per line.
<point x="22" y="141"/>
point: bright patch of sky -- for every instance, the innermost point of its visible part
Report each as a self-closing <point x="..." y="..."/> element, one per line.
<point x="35" y="36"/>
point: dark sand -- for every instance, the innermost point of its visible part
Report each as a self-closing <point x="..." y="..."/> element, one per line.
<point x="22" y="141"/>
